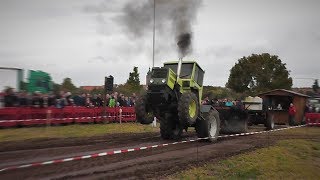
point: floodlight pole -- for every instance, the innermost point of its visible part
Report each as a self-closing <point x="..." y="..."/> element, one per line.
<point x="154" y="30"/>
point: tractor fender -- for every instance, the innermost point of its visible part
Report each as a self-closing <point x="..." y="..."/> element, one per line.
<point x="205" y="108"/>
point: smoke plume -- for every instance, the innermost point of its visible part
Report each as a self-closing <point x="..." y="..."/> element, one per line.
<point x="173" y="16"/>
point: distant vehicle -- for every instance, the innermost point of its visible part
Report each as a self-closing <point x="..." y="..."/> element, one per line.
<point x="258" y="114"/>
<point x="314" y="105"/>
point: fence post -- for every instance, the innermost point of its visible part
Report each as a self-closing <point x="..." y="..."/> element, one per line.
<point x="48" y="116"/>
<point x="154" y="122"/>
<point x="120" y="114"/>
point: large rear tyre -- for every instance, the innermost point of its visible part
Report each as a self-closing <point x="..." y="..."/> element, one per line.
<point x="170" y="128"/>
<point x="269" y="124"/>
<point x="209" y="126"/>
<point x="142" y="114"/>
<point x="188" y="108"/>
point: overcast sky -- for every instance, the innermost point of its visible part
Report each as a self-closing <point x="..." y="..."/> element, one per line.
<point x="83" y="39"/>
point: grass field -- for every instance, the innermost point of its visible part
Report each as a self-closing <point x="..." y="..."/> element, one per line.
<point x="288" y="159"/>
<point x="77" y="130"/>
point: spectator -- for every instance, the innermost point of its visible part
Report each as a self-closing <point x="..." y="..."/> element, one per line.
<point x="239" y="104"/>
<point x="37" y="100"/>
<point x="10" y="99"/>
<point x="122" y="101"/>
<point x="88" y="101"/>
<point x="45" y="101"/>
<point x="23" y="99"/>
<point x="83" y="99"/>
<point x="132" y="101"/>
<point x="99" y="100"/>
<point x="112" y="102"/>
<point x="128" y="101"/>
<point x="292" y="113"/>
<point x="205" y="101"/>
<point x="94" y="100"/>
<point x="107" y="99"/>
<point x="78" y="100"/>
<point x="60" y="100"/>
<point x="51" y="100"/>
<point x="68" y="98"/>
<point x="215" y="102"/>
<point x="228" y="103"/>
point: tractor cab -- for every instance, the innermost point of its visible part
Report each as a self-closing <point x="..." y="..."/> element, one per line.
<point x="165" y="78"/>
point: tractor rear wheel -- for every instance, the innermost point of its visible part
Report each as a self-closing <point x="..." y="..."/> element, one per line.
<point x="170" y="128"/>
<point x="269" y="124"/>
<point x="209" y="126"/>
<point x="142" y="114"/>
<point x="188" y="108"/>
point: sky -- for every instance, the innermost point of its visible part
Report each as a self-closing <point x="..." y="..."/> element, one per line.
<point x="87" y="40"/>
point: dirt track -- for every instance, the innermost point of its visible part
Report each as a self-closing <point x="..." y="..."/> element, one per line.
<point x="153" y="163"/>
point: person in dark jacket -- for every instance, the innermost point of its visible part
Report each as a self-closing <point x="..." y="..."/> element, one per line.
<point x="37" y="100"/>
<point x="78" y="100"/>
<point x="10" y="99"/>
<point x="23" y="99"/>
<point x="99" y="101"/>
<point x="51" y="100"/>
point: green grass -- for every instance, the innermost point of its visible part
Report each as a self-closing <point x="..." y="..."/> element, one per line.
<point x="77" y="130"/>
<point x="288" y="159"/>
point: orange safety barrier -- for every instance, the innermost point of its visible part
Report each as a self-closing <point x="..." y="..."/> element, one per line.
<point x="28" y="116"/>
<point x="313" y="118"/>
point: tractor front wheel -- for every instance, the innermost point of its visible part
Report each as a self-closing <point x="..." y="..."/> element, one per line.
<point x="188" y="108"/>
<point x="142" y="114"/>
<point x="169" y="127"/>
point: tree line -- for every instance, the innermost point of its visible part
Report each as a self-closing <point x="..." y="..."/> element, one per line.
<point x="250" y="75"/>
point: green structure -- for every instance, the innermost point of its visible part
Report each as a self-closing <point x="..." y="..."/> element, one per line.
<point x="39" y="81"/>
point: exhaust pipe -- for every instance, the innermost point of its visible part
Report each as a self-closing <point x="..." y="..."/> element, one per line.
<point x="179" y="68"/>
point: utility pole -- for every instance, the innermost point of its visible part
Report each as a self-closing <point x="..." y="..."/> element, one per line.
<point x="154" y="30"/>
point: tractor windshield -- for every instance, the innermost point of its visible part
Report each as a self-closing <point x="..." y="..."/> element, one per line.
<point x="186" y="69"/>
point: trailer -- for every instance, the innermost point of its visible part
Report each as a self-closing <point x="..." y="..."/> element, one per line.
<point x="259" y="114"/>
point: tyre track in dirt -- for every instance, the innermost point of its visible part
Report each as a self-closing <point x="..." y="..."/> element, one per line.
<point x="152" y="163"/>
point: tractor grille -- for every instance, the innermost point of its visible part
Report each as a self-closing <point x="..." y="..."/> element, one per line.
<point x="159" y="73"/>
<point x="157" y="88"/>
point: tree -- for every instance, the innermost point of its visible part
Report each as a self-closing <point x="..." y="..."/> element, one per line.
<point x="134" y="82"/>
<point x="56" y="88"/>
<point x="67" y="85"/>
<point x="315" y="86"/>
<point x="220" y="93"/>
<point x="259" y="73"/>
<point x="23" y="86"/>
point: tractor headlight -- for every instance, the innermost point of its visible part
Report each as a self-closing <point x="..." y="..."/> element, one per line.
<point x="163" y="81"/>
<point x="151" y="81"/>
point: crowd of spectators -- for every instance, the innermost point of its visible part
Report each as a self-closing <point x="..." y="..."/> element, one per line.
<point x="39" y="100"/>
<point x="223" y="102"/>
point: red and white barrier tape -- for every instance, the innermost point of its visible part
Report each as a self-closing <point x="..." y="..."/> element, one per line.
<point x="60" y="119"/>
<point x="136" y="149"/>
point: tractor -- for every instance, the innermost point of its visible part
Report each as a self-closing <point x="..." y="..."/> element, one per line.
<point x="174" y="96"/>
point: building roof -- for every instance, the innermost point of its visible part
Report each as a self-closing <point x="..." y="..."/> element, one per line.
<point x="275" y="91"/>
<point x="90" y="88"/>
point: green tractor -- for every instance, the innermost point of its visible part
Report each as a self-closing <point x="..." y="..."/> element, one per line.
<point x="174" y="97"/>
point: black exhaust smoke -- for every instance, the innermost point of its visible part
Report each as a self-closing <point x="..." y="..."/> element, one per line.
<point x="184" y="44"/>
<point x="173" y="16"/>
